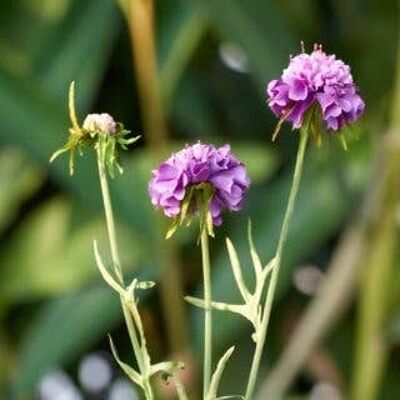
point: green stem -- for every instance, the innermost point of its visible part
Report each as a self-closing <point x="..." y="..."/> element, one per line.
<point x="180" y="389"/>
<point x="109" y="216"/>
<point x="262" y="331"/>
<point x="207" y="311"/>
<point x="137" y="348"/>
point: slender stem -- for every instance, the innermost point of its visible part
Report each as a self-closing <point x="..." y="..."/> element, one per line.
<point x="148" y="391"/>
<point x="262" y="331"/>
<point x="180" y="389"/>
<point x="108" y="211"/>
<point x="137" y="348"/>
<point x="207" y="311"/>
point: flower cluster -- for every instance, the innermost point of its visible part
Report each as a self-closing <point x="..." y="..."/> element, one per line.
<point x="190" y="168"/>
<point x="311" y="78"/>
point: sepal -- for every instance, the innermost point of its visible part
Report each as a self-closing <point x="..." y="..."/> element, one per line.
<point x="106" y="143"/>
<point x="196" y="202"/>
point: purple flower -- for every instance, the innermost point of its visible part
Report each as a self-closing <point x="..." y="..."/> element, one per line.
<point x="316" y="77"/>
<point x="196" y="165"/>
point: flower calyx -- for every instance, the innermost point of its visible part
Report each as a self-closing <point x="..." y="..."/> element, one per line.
<point x="99" y="131"/>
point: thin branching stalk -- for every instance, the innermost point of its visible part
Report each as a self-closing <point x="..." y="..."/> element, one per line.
<point x="261" y="335"/>
<point x="138" y="349"/>
<point x="207" y="311"/>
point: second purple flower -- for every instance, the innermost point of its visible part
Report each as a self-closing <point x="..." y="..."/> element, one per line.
<point x="190" y="168"/>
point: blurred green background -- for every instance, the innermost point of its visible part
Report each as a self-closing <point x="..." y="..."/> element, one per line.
<point x="177" y="71"/>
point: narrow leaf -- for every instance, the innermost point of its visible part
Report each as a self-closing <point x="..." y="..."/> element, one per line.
<point x="241" y="309"/>
<point x="269" y="267"/>
<point x="237" y="272"/>
<point x="132" y="374"/>
<point x="254" y="255"/>
<point x="216" y="378"/>
<point x="71" y="107"/>
<point x="104" y="272"/>
<point x="172" y="228"/>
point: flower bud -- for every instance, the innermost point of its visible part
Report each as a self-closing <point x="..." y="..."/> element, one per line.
<point x="104" y="122"/>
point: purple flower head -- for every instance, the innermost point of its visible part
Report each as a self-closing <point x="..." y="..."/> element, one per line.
<point x="316" y="78"/>
<point x="192" y="168"/>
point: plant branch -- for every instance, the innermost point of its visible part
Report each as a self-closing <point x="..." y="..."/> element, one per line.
<point x="138" y="348"/>
<point x="261" y="334"/>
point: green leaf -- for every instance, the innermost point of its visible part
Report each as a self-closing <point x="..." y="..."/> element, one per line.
<point x="260" y="160"/>
<point x="19" y="179"/>
<point x="46" y="256"/>
<point x="64" y="329"/>
<point x="78" y="50"/>
<point x="180" y="33"/>
<point x="257" y="27"/>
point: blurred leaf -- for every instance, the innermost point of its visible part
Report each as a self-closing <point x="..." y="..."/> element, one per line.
<point x="259" y="28"/>
<point x="19" y="179"/>
<point x="19" y="47"/>
<point x="261" y="161"/>
<point x="78" y="50"/>
<point x="44" y="256"/>
<point x="180" y="33"/>
<point x="64" y="329"/>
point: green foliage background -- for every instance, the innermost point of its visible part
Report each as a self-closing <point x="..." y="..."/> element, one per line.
<point x="53" y="305"/>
